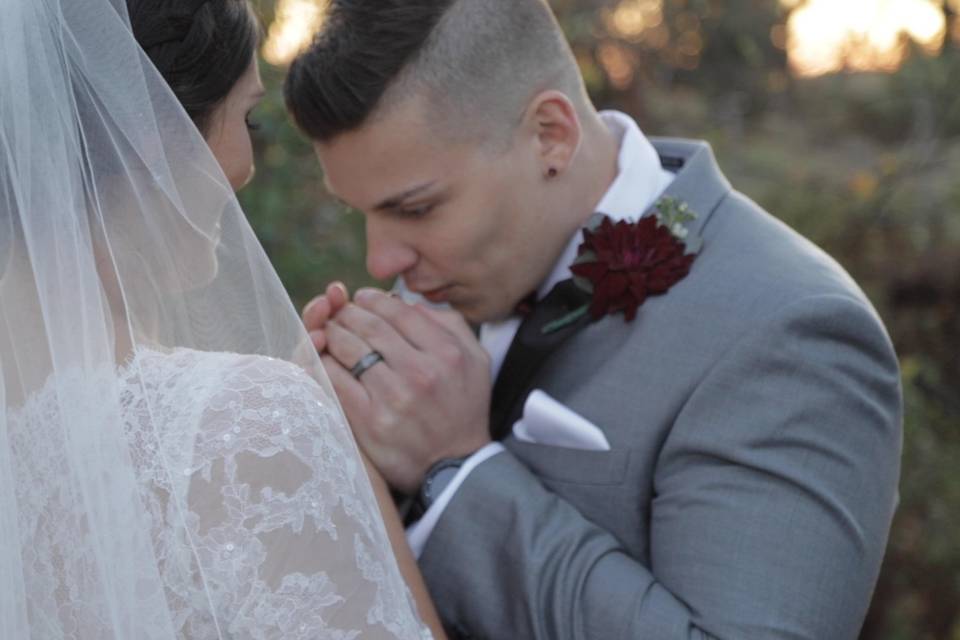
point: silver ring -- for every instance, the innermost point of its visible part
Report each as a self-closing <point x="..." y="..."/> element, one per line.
<point x="365" y="363"/>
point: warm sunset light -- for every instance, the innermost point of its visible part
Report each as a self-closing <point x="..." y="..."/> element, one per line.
<point x="824" y="36"/>
<point x="634" y="19"/>
<point x="296" y="22"/>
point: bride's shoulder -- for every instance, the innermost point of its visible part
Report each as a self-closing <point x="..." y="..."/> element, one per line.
<point x="182" y="366"/>
<point x="239" y="402"/>
<point x="221" y="378"/>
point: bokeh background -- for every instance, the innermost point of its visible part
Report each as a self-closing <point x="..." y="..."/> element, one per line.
<point x="842" y="117"/>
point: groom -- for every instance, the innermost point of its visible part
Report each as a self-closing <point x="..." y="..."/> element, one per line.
<point x="699" y="437"/>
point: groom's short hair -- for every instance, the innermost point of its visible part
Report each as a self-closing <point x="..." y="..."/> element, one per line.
<point x="476" y="62"/>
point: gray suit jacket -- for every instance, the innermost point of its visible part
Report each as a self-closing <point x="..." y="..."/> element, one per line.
<point x="754" y="416"/>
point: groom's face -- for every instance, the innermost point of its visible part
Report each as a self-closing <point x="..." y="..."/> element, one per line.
<point x="461" y="223"/>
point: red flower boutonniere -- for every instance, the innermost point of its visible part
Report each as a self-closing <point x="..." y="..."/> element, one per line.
<point x="621" y="264"/>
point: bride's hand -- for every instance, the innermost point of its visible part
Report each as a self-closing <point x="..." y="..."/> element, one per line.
<point x="319" y="310"/>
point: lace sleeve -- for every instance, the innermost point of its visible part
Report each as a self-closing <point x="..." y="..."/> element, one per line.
<point x="283" y="536"/>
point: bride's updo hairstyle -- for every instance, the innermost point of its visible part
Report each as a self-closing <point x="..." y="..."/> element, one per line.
<point x="200" y="47"/>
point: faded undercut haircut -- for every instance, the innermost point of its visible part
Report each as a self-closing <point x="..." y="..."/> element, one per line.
<point x="476" y="63"/>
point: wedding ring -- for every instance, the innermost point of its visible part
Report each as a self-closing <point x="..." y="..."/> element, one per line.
<point x="365" y="363"/>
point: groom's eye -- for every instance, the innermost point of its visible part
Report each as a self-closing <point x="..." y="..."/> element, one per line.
<point x="414" y="212"/>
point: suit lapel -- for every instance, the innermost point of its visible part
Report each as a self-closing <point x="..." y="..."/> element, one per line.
<point x="698" y="182"/>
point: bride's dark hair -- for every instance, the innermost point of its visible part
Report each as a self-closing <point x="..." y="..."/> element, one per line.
<point x="201" y="47"/>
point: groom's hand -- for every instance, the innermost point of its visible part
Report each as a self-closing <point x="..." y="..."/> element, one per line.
<point x="319" y="311"/>
<point x="426" y="401"/>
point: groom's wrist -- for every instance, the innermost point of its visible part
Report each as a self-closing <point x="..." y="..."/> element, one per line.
<point x="438" y="477"/>
<point x="420" y="529"/>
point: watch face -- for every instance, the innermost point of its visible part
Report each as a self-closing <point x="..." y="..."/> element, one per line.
<point x="437" y="482"/>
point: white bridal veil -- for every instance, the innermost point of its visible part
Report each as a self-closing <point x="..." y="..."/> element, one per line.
<point x="173" y="462"/>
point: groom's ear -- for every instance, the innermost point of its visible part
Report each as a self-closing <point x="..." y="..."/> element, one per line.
<point x="553" y="120"/>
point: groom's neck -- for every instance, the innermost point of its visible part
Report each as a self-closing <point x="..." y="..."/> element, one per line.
<point x="593" y="170"/>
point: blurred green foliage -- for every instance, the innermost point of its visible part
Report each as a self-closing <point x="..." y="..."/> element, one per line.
<point x="866" y="165"/>
<point x="308" y="236"/>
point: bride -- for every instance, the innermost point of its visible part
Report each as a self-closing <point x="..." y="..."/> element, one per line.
<point x="173" y="462"/>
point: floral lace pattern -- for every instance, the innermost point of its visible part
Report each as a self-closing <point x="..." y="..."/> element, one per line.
<point x="252" y="518"/>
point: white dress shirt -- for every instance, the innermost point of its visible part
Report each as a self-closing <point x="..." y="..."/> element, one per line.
<point x="639" y="184"/>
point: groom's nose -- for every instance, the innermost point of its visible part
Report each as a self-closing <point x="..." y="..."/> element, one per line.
<point x="387" y="255"/>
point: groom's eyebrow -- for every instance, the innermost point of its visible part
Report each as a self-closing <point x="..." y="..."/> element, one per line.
<point x="395" y="201"/>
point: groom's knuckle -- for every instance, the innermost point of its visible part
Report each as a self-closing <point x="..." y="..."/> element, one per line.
<point x="392" y="313"/>
<point x="370" y="324"/>
<point x="424" y="377"/>
<point x="451" y="356"/>
<point x="403" y="400"/>
<point x="382" y="425"/>
<point x="359" y="321"/>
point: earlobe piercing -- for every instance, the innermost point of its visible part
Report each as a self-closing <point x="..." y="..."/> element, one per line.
<point x="552" y="173"/>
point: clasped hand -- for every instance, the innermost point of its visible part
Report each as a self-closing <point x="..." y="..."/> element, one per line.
<point x="429" y="399"/>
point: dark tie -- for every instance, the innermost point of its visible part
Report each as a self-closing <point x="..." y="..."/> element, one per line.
<point x="530" y="349"/>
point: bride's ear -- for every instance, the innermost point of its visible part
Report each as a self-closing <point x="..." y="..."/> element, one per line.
<point x="553" y="121"/>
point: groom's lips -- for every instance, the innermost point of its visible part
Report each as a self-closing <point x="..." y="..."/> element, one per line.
<point x="438" y="295"/>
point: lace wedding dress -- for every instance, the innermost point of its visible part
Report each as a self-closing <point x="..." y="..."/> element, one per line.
<point x="191" y="493"/>
<point x="261" y="515"/>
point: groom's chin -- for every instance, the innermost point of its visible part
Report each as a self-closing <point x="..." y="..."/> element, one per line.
<point x="477" y="312"/>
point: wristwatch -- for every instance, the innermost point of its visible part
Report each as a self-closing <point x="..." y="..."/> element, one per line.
<point x="438" y="477"/>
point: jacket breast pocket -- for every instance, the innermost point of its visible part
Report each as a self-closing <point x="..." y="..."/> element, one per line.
<point x="572" y="466"/>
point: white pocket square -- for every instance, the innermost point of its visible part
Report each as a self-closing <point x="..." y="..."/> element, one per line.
<point x="546" y="421"/>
